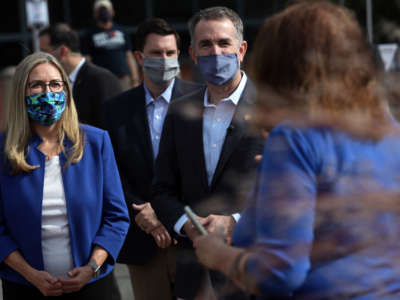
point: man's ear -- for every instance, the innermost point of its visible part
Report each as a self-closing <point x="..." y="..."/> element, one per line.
<point x="242" y="51"/>
<point x="63" y="51"/>
<point x="192" y="54"/>
<point x="139" y="57"/>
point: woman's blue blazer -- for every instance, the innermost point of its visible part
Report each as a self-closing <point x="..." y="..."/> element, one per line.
<point x="96" y="208"/>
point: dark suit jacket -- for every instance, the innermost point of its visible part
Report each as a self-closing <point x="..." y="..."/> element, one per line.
<point x="93" y="86"/>
<point x="181" y="177"/>
<point x="126" y="121"/>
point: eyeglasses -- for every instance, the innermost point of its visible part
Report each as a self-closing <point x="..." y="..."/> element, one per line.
<point x="39" y="86"/>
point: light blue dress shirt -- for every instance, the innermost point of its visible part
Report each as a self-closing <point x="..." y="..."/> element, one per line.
<point x="156" y="112"/>
<point x="216" y="120"/>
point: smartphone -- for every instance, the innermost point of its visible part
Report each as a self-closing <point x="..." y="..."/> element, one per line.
<point x="192" y="217"/>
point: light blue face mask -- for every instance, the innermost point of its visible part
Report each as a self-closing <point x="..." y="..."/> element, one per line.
<point x="218" y="69"/>
<point x="161" y="70"/>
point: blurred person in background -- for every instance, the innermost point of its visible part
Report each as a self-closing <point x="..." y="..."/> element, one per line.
<point x="109" y="46"/>
<point x="323" y="220"/>
<point x="63" y="218"/>
<point x="6" y="75"/>
<point x="91" y="85"/>
<point x="135" y="120"/>
<point x="206" y="157"/>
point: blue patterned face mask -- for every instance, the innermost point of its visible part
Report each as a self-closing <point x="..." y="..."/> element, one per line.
<point x="218" y="69"/>
<point x="46" y="108"/>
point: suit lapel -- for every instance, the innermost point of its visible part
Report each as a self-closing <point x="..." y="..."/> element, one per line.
<point x="199" y="147"/>
<point x="139" y="126"/>
<point x="79" y="76"/>
<point x="194" y="133"/>
<point x="176" y="91"/>
<point x="138" y="129"/>
<point x="237" y="128"/>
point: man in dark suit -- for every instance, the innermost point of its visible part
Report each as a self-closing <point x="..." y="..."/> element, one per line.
<point x="134" y="120"/>
<point x="91" y="84"/>
<point x="207" y="152"/>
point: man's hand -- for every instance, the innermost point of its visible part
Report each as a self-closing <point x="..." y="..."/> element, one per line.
<point x="146" y="219"/>
<point x="47" y="284"/>
<point x="210" y="249"/>
<point x="222" y="224"/>
<point x="190" y="230"/>
<point x="265" y="134"/>
<point x="161" y="236"/>
<point x="258" y="158"/>
<point x="78" y="278"/>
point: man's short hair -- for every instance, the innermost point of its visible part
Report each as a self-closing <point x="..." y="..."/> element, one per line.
<point x="157" y="26"/>
<point x="216" y="13"/>
<point x="62" y="35"/>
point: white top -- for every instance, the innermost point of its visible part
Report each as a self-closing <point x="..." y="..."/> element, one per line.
<point x="56" y="244"/>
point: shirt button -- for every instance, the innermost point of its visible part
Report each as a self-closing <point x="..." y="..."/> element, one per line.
<point x="157" y="137"/>
<point x="218" y="119"/>
<point x="214" y="145"/>
<point x="157" y="117"/>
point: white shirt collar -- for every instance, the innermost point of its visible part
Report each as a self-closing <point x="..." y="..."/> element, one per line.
<point x="74" y="73"/>
<point x="166" y="95"/>
<point x="234" y="97"/>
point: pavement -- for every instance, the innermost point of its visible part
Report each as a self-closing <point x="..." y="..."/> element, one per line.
<point x="124" y="282"/>
<point x="122" y="275"/>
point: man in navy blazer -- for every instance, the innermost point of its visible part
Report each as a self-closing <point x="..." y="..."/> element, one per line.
<point x="207" y="152"/>
<point x="134" y="120"/>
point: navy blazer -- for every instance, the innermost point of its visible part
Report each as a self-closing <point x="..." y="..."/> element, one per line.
<point x="126" y="121"/>
<point x="93" y="86"/>
<point x="97" y="213"/>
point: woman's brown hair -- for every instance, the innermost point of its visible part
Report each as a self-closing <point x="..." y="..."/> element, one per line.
<point x="312" y="60"/>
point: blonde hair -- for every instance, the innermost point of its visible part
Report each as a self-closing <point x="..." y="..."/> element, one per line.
<point x="18" y="131"/>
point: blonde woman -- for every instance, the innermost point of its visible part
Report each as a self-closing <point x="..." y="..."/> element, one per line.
<point x="63" y="217"/>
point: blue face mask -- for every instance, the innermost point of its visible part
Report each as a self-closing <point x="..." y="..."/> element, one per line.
<point x="46" y="108"/>
<point x="218" y="69"/>
<point x="104" y="15"/>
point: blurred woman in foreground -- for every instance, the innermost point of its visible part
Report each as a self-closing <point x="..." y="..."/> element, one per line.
<point x="323" y="221"/>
